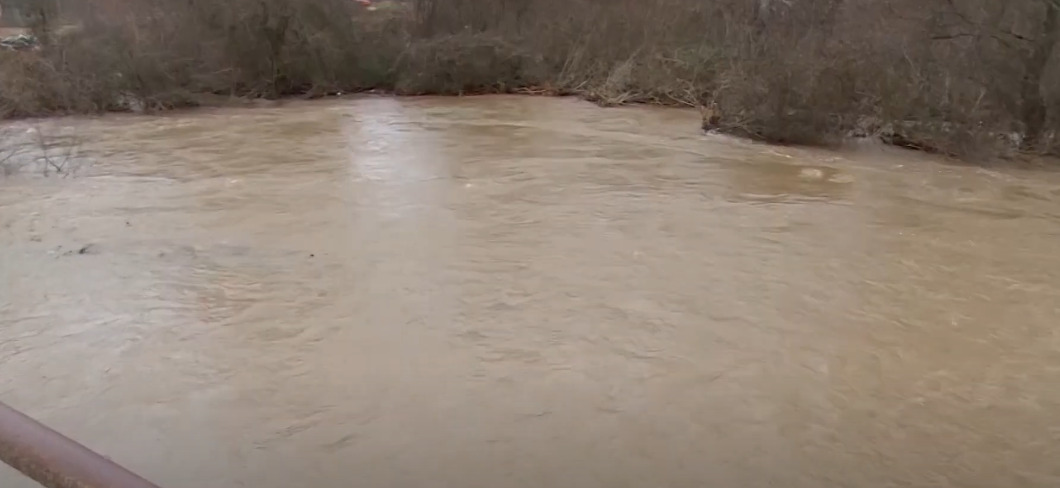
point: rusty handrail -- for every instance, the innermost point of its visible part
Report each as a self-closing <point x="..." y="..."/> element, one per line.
<point x="56" y="461"/>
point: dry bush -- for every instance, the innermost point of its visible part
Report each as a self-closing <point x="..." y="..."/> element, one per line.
<point x="954" y="76"/>
<point x="161" y="54"/>
<point x="957" y="77"/>
<point x="466" y="63"/>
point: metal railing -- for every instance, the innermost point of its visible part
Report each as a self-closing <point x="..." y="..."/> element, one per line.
<point x="56" y="461"/>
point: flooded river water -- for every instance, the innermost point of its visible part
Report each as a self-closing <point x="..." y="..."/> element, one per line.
<point x="528" y="292"/>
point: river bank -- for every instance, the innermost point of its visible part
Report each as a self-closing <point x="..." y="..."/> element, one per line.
<point x="883" y="136"/>
<point x="789" y="72"/>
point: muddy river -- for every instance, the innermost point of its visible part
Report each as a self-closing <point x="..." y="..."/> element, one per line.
<point x="509" y="292"/>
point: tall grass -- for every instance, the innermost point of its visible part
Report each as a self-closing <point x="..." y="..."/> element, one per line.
<point x="956" y="76"/>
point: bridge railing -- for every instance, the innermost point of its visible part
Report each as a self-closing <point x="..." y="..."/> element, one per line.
<point x="56" y="461"/>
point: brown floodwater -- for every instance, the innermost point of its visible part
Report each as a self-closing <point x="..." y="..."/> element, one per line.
<point x="527" y="292"/>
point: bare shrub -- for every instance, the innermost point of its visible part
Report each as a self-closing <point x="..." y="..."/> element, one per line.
<point x="959" y="77"/>
<point x="466" y="63"/>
